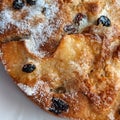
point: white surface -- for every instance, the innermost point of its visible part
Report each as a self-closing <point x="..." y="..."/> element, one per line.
<point x="14" y="105"/>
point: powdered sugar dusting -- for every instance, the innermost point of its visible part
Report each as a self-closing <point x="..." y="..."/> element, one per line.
<point x="5" y="17"/>
<point x="118" y="2"/>
<point x="30" y="90"/>
<point x="40" y="30"/>
<point x="111" y="116"/>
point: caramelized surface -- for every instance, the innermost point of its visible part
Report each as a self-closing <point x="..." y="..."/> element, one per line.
<point x="81" y="69"/>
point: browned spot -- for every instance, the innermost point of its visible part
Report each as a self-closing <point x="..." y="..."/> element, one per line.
<point x="4" y="3"/>
<point x="50" y="46"/>
<point x="116" y="53"/>
<point x="18" y="15"/>
<point x="102" y="99"/>
<point x="92" y="7"/>
<point x="60" y="89"/>
<point x="66" y="1"/>
<point x="13" y="34"/>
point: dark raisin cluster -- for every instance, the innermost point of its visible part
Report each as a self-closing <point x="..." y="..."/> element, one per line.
<point x="58" y="106"/>
<point x="19" y="4"/>
<point x="73" y="28"/>
<point x="28" y="68"/>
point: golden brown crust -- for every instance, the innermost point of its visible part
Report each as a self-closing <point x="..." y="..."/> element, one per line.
<point x="91" y="82"/>
<point x="82" y="70"/>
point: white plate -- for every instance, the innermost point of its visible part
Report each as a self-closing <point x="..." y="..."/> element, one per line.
<point x="14" y="105"/>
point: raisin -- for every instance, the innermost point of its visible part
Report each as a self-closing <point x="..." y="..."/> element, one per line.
<point x="70" y="29"/>
<point x="119" y="111"/>
<point x="31" y="2"/>
<point x="58" y="106"/>
<point x="28" y="68"/>
<point x="60" y="90"/>
<point x="79" y="17"/>
<point x="18" y="4"/>
<point x="43" y="10"/>
<point x="105" y="21"/>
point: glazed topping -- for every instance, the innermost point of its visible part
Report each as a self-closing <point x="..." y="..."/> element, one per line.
<point x="18" y="4"/>
<point x="79" y="17"/>
<point x="28" y="68"/>
<point x="31" y="2"/>
<point x="105" y="21"/>
<point x="58" y="106"/>
<point x="70" y="29"/>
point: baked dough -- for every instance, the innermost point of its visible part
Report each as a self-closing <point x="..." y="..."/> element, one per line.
<point x="72" y="72"/>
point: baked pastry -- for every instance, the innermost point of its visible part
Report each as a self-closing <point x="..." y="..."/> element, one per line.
<point x="65" y="55"/>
